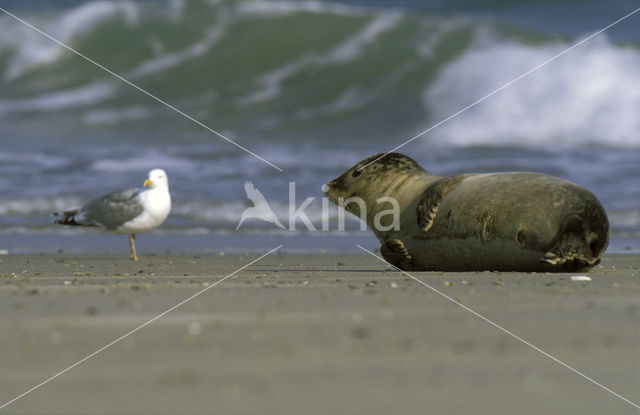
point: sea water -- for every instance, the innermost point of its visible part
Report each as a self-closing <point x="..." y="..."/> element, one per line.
<point x="312" y="87"/>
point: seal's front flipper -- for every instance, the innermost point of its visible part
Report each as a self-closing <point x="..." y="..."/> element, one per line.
<point x="431" y="198"/>
<point x="395" y="253"/>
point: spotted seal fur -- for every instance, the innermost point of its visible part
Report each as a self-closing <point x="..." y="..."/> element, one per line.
<point x="517" y="221"/>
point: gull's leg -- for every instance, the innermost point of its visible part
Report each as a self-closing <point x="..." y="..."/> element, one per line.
<point x="132" y="242"/>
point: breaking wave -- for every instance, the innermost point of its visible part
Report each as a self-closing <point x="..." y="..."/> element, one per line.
<point x="385" y="72"/>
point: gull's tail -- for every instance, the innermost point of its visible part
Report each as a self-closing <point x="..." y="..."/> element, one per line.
<point x="68" y="218"/>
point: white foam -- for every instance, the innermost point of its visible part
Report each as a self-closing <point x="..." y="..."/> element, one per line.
<point x="354" y="98"/>
<point x="435" y="33"/>
<point x="210" y="211"/>
<point x="85" y="95"/>
<point x="285" y="8"/>
<point x="144" y="161"/>
<point x="34" y="160"/>
<point x="350" y="99"/>
<point x="34" y="49"/>
<point x="270" y="83"/>
<point x="171" y="60"/>
<point x="116" y="115"/>
<point x="37" y="205"/>
<point x="590" y="95"/>
<point x="353" y="47"/>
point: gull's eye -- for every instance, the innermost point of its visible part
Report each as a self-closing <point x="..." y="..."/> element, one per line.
<point x="356" y="173"/>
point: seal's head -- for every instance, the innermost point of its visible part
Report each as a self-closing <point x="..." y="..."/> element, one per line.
<point x="368" y="179"/>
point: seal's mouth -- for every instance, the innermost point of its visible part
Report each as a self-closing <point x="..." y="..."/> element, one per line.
<point x="337" y="194"/>
<point x="333" y="199"/>
<point x="331" y="192"/>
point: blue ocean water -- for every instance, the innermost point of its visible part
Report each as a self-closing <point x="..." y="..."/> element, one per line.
<point x="313" y="87"/>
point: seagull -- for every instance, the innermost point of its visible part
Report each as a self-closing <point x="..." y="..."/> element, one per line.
<point x="128" y="211"/>
<point x="260" y="210"/>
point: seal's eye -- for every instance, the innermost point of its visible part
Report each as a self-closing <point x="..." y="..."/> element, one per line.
<point x="356" y="173"/>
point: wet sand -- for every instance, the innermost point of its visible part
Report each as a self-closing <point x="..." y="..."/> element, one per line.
<point x="312" y="334"/>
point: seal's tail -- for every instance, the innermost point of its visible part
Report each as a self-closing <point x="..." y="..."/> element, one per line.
<point x="577" y="247"/>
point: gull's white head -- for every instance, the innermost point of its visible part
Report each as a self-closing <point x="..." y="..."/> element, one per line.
<point x="156" y="178"/>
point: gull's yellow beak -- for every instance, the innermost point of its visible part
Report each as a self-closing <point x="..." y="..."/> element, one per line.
<point x="148" y="183"/>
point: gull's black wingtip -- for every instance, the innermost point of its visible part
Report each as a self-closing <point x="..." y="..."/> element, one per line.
<point x="68" y="218"/>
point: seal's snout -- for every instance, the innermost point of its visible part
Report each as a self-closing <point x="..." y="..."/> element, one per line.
<point x="337" y="184"/>
<point x="334" y="184"/>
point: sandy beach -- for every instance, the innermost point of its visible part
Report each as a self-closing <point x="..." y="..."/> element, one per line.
<point x="313" y="334"/>
<point x="251" y="108"/>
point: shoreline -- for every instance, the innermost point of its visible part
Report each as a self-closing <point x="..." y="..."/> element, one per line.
<point x="102" y="243"/>
<point x="317" y="334"/>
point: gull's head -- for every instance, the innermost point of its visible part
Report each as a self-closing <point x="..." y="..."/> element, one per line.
<point x="156" y="178"/>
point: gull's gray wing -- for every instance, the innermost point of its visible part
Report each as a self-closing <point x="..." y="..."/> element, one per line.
<point x="111" y="210"/>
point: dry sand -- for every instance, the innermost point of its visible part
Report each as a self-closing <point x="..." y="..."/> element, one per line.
<point x="313" y="334"/>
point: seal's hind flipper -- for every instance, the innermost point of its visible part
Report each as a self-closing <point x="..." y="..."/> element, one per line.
<point x="575" y="249"/>
<point x="395" y="253"/>
<point x="431" y="198"/>
<point x="570" y="261"/>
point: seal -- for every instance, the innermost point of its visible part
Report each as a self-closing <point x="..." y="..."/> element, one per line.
<point x="517" y="221"/>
